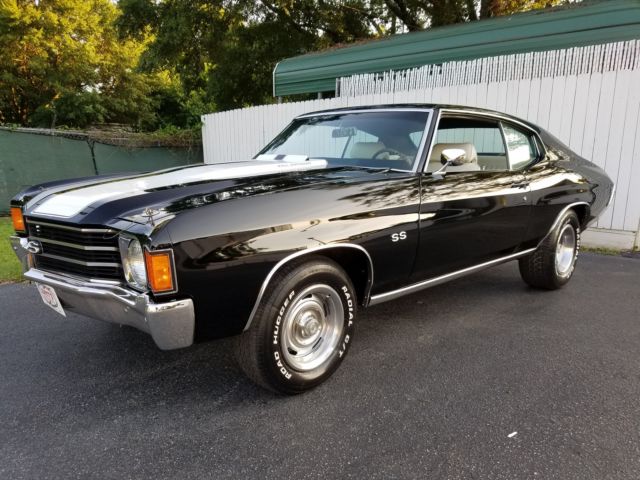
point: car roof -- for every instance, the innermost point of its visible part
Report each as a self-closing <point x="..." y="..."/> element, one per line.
<point x="431" y="106"/>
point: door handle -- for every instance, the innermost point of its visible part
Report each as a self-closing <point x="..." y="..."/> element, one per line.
<point x="523" y="184"/>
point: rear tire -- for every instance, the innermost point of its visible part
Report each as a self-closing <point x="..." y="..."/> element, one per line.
<point x="552" y="264"/>
<point x="302" y="329"/>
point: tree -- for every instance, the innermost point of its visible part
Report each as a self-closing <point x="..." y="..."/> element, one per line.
<point x="226" y="49"/>
<point x="157" y="63"/>
<point x="62" y="63"/>
<point x="494" y="8"/>
<point x="419" y="14"/>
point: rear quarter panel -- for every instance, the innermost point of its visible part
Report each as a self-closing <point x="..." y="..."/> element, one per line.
<point x="561" y="179"/>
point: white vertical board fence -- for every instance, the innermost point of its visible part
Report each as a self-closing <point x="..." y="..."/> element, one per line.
<point x="588" y="97"/>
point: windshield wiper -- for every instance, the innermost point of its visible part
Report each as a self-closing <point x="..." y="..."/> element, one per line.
<point x="380" y="169"/>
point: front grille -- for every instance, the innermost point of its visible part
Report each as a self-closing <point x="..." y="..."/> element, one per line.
<point x="83" y="236"/>
<point x="85" y="251"/>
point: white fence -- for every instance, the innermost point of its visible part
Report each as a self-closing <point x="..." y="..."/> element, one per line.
<point x="588" y="97"/>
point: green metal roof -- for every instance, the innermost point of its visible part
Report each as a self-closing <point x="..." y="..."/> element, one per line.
<point x="561" y="27"/>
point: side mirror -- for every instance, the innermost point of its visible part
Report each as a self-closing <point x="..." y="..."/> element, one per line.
<point x="450" y="157"/>
<point x="453" y="156"/>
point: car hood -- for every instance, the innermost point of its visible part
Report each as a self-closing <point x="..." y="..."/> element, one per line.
<point x="157" y="195"/>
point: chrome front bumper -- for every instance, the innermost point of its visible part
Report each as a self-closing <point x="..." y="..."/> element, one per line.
<point x="170" y="324"/>
<point x="19" y="245"/>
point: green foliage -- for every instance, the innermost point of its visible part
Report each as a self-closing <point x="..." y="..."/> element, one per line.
<point x="10" y="270"/>
<point x="494" y="8"/>
<point x="226" y="49"/>
<point x="63" y="64"/>
<point x="167" y="136"/>
<point x="153" y="64"/>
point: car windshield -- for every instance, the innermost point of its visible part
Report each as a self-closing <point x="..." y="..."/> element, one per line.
<point x="389" y="139"/>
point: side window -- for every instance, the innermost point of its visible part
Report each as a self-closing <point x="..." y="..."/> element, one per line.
<point x="521" y="147"/>
<point x="481" y="140"/>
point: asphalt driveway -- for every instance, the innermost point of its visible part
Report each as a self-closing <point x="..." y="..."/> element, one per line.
<point x="435" y="386"/>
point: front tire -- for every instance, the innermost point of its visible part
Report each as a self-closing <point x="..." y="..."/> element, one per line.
<point x="302" y="329"/>
<point x="552" y="264"/>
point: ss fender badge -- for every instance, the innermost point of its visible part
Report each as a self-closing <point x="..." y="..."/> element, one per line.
<point x="396" y="237"/>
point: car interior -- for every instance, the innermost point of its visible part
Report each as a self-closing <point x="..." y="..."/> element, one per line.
<point x="389" y="139"/>
<point x="393" y="139"/>
<point x="469" y="162"/>
<point x="482" y="141"/>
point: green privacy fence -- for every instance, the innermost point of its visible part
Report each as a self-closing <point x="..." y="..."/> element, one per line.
<point x="29" y="157"/>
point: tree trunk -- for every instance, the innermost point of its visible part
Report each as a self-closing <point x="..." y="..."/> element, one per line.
<point x="487" y="8"/>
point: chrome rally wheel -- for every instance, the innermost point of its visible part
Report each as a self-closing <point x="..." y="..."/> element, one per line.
<point x="302" y="329"/>
<point x="566" y="249"/>
<point x="312" y="328"/>
<point x="552" y="264"/>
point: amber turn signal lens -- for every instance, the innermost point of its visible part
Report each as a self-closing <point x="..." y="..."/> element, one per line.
<point x="159" y="271"/>
<point x="17" y="219"/>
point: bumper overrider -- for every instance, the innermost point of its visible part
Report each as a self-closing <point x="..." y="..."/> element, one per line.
<point x="171" y="324"/>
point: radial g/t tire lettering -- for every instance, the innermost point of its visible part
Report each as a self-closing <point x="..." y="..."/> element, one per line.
<point x="302" y="329"/>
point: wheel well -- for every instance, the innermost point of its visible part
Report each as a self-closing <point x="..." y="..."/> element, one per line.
<point x="583" y="214"/>
<point x="357" y="266"/>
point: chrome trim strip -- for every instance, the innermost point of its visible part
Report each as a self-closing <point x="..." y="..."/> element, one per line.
<point x="74" y="229"/>
<point x="363" y="110"/>
<point x="19" y="246"/>
<point x="557" y="220"/>
<point x="423" y="142"/>
<point x="506" y="147"/>
<point x="433" y="140"/>
<point x="75" y="245"/>
<point x="392" y="295"/>
<point x="306" y="251"/>
<point x="493" y="114"/>
<point x="79" y="278"/>
<point x="99" y="281"/>
<point x="611" y="195"/>
<point x="497" y="115"/>
<point x="79" y="262"/>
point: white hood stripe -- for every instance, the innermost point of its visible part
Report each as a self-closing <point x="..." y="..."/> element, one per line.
<point x="69" y="203"/>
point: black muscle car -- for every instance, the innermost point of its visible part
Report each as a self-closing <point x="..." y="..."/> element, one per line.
<point x="344" y="209"/>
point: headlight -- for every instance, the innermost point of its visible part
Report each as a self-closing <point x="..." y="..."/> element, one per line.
<point x="133" y="265"/>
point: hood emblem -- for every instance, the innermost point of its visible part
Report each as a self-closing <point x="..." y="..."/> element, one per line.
<point x="35" y="247"/>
